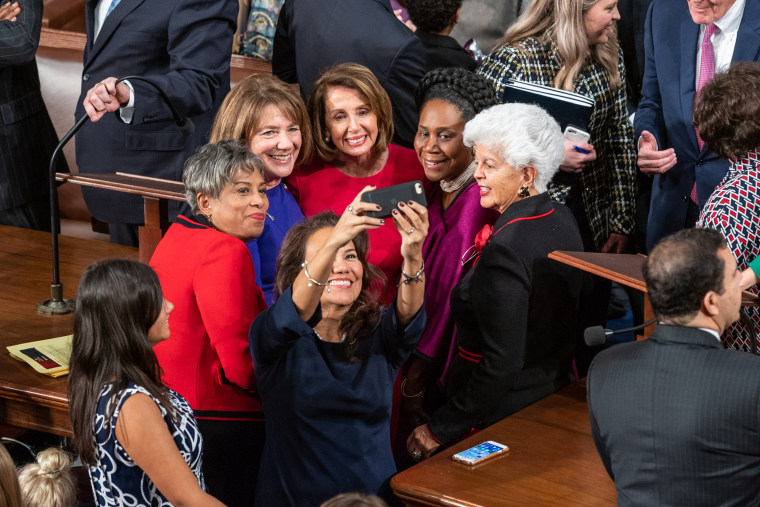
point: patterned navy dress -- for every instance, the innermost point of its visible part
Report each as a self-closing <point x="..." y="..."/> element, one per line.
<point x="116" y="479"/>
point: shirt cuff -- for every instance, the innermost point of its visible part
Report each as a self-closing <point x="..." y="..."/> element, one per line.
<point x="126" y="113"/>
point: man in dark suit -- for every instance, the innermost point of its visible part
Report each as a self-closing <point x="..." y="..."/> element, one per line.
<point x="184" y="46"/>
<point x="27" y="136"/>
<point x="675" y="417"/>
<point x="685" y="171"/>
<point x="312" y="35"/>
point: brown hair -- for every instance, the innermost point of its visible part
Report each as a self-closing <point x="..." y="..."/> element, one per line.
<point x="364" y="314"/>
<point x="727" y="111"/>
<point x="240" y="114"/>
<point x="10" y="493"/>
<point x="356" y="77"/>
<point x="48" y="482"/>
<point x="562" y="21"/>
<point x="354" y="500"/>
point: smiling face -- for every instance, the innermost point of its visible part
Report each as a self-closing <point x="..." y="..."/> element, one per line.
<point x="439" y="143"/>
<point x="345" y="277"/>
<point x="600" y="20"/>
<point x="241" y="207"/>
<point x="704" y="12"/>
<point x="351" y="124"/>
<point x="277" y="141"/>
<point x="499" y="182"/>
<point x="159" y="331"/>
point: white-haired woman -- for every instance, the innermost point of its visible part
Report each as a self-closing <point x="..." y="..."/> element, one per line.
<point x="572" y="45"/>
<point x="515" y="310"/>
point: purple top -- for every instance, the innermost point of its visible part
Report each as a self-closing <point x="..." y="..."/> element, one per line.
<point x="450" y="235"/>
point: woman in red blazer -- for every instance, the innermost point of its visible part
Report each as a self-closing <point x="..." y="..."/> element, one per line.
<point x="207" y="272"/>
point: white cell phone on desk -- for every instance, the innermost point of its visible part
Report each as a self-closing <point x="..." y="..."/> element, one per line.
<point x="480" y="453"/>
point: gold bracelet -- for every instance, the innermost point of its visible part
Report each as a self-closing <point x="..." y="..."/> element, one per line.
<point x="408" y="395"/>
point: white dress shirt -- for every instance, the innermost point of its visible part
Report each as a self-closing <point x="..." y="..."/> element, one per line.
<point x="724" y="38"/>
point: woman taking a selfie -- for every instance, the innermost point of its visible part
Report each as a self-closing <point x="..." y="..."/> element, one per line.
<point x="326" y="356"/>
<point x="138" y="437"/>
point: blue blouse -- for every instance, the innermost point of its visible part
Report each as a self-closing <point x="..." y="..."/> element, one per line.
<point x="327" y="417"/>
<point x="283" y="212"/>
<point x="116" y="479"/>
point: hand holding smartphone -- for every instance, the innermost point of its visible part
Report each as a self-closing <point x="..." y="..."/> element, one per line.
<point x="577" y="136"/>
<point x="389" y="197"/>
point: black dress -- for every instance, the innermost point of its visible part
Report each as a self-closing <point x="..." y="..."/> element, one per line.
<point x="515" y="316"/>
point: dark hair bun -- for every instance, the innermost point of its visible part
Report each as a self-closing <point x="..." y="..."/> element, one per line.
<point x="469" y="88"/>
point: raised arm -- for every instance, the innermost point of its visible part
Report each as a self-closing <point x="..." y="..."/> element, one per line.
<point x="411" y="220"/>
<point x="306" y="295"/>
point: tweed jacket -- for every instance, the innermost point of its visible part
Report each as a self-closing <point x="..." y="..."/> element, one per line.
<point x="608" y="184"/>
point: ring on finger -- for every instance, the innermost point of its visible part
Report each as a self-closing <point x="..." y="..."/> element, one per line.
<point x="352" y="210"/>
<point x="416" y="455"/>
<point x="410" y="231"/>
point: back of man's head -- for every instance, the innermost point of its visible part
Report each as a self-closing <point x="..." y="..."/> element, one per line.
<point x="681" y="269"/>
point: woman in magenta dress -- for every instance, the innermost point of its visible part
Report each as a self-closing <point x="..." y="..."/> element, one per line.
<point x="352" y="124"/>
<point x="447" y="99"/>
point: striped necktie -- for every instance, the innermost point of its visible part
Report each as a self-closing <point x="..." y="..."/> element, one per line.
<point x="706" y="73"/>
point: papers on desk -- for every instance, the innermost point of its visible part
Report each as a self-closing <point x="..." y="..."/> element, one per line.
<point x="49" y="357"/>
<point x="568" y="108"/>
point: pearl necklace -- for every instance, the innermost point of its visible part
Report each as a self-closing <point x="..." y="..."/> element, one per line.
<point x="458" y="182"/>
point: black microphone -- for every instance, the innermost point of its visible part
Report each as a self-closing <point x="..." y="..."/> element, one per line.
<point x="57" y="305"/>
<point x="597" y="335"/>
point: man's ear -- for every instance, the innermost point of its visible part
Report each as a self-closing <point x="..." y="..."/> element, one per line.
<point x="711" y="304"/>
<point x="456" y="17"/>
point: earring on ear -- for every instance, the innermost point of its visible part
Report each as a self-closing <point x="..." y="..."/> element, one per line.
<point x="524" y="192"/>
<point x="327" y="139"/>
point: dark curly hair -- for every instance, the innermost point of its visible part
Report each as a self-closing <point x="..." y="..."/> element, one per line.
<point x="469" y="92"/>
<point x="727" y="111"/>
<point x="681" y="269"/>
<point x="364" y="314"/>
<point x="432" y="16"/>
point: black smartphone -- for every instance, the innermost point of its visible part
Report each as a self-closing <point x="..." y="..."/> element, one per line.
<point x="389" y="197"/>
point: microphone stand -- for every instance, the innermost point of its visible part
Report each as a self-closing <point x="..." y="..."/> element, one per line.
<point x="57" y="305"/>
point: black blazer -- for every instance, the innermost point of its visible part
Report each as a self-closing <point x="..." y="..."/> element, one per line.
<point x="676" y="420"/>
<point x="444" y="51"/>
<point x="183" y="46"/>
<point x="27" y="136"/>
<point x="313" y="35"/>
<point x="515" y="317"/>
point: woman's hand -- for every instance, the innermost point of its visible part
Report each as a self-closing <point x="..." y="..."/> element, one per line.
<point x="616" y="243"/>
<point x="574" y="159"/>
<point x="421" y="443"/>
<point x="353" y="220"/>
<point x="411" y="220"/>
<point x="105" y="97"/>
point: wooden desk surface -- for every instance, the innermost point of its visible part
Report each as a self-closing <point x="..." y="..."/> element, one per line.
<point x="552" y="461"/>
<point x="27" y="398"/>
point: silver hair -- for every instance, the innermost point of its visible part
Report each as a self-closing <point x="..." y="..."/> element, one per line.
<point x="522" y="135"/>
<point x="212" y="167"/>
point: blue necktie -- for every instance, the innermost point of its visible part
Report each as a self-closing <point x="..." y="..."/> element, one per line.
<point x="113" y="5"/>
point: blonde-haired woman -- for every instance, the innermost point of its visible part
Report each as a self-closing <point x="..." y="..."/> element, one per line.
<point x="48" y="481"/>
<point x="572" y="45"/>
<point x="270" y="118"/>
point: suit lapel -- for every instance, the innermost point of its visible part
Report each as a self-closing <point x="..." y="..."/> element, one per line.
<point x="747" y="47"/>
<point x="688" y="74"/>
<point x="109" y="26"/>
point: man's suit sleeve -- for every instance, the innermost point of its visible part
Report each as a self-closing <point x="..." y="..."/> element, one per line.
<point x="502" y="282"/>
<point x="19" y="39"/>
<point x="649" y="114"/>
<point x="406" y="71"/>
<point x="284" y="54"/>
<point x="598" y="440"/>
<point x="200" y="47"/>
